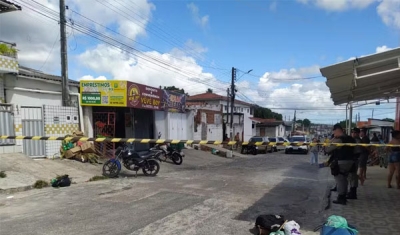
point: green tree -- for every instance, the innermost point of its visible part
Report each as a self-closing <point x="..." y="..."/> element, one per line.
<point x="209" y="90"/>
<point x="343" y="124"/>
<point x="299" y="121"/>
<point x="266" y="113"/>
<point x="175" y="89"/>
<point x="388" y="120"/>
<point x="306" y="122"/>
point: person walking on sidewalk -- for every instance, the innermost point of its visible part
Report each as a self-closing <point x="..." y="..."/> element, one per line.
<point x="353" y="177"/>
<point x="314" y="152"/>
<point x="341" y="162"/>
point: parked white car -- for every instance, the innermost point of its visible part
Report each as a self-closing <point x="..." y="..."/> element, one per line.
<point x="280" y="141"/>
<point x="299" y="149"/>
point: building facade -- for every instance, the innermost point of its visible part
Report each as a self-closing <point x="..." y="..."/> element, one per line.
<point x="242" y="114"/>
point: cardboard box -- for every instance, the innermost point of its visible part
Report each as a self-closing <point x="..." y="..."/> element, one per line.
<point x="78" y="133"/>
<point x="69" y="154"/>
<point x="76" y="149"/>
<point x="88" y="147"/>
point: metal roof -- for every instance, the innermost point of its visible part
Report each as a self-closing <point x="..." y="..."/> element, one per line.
<point x="36" y="74"/>
<point x="6" y="6"/>
<point x="369" y="77"/>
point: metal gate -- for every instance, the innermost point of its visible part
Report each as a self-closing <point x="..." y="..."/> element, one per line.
<point x="32" y="125"/>
<point x="104" y="126"/>
<point x="6" y="124"/>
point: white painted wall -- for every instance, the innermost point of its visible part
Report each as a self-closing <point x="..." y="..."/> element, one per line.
<point x="2" y="97"/>
<point x="88" y="120"/>
<point x="177" y="126"/>
<point x="34" y="99"/>
<point x="160" y="124"/>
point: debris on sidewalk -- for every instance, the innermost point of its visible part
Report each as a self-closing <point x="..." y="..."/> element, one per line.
<point x="83" y="151"/>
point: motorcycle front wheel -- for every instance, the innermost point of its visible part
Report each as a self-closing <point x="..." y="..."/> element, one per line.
<point x="151" y="168"/>
<point x="110" y="169"/>
<point x="177" y="158"/>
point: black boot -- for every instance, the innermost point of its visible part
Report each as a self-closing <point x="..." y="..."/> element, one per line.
<point x="352" y="194"/>
<point x="334" y="189"/>
<point x="341" y="199"/>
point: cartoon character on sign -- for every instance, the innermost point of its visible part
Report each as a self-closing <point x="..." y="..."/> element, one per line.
<point x="133" y="95"/>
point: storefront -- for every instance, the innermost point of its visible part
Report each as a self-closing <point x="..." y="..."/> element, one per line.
<point x="175" y="121"/>
<point x="121" y="109"/>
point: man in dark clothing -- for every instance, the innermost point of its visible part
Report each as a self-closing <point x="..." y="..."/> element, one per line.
<point x="341" y="162"/>
<point x="353" y="177"/>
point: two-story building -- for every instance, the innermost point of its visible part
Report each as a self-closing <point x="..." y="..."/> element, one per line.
<point x="242" y="114"/>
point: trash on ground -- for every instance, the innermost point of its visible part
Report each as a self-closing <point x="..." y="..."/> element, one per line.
<point x="61" y="181"/>
<point x="83" y="151"/>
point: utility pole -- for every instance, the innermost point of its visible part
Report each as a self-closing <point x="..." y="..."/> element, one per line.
<point x="294" y="121"/>
<point x="64" y="58"/>
<point x="372" y="114"/>
<point x="228" y="93"/>
<point x="233" y="91"/>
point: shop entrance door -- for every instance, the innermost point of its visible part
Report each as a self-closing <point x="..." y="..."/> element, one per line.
<point x="104" y="127"/>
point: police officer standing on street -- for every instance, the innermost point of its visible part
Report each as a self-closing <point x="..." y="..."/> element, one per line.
<point x="341" y="162"/>
<point x="353" y="176"/>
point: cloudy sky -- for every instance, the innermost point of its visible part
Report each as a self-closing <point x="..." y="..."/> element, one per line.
<point x="194" y="45"/>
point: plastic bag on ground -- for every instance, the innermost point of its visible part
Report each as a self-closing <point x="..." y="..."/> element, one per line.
<point x="292" y="228"/>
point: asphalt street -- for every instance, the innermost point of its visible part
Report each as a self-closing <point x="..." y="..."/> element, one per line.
<point x="207" y="194"/>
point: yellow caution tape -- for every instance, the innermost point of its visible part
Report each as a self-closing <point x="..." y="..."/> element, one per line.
<point x="162" y="141"/>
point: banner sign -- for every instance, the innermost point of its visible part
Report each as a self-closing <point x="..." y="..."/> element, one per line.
<point x="174" y="102"/>
<point x="103" y="93"/>
<point x="143" y="97"/>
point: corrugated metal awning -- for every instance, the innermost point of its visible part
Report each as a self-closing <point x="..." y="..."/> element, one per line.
<point x="370" y="77"/>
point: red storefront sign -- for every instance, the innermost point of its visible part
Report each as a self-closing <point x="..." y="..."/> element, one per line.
<point x="143" y="97"/>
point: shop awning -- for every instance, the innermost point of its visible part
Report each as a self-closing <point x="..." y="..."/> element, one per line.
<point x="370" y="77"/>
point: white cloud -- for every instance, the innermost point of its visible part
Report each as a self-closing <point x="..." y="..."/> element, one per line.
<point x="273" y="6"/>
<point x="200" y="20"/>
<point x="151" y="68"/>
<point x="35" y="35"/>
<point x="90" y="77"/>
<point x="339" y="5"/>
<point x="389" y="10"/>
<point x="382" y="49"/>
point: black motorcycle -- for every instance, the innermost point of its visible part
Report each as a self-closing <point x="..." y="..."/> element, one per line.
<point x="252" y="149"/>
<point x="166" y="152"/>
<point x="132" y="160"/>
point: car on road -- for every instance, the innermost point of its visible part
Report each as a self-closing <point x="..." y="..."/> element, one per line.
<point x="262" y="148"/>
<point x="299" y="149"/>
<point x="280" y="141"/>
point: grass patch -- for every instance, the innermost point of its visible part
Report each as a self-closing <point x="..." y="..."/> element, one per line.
<point x="40" y="184"/>
<point x="97" y="178"/>
<point x="3" y="174"/>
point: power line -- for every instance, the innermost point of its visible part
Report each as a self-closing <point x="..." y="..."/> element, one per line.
<point x="122" y="46"/>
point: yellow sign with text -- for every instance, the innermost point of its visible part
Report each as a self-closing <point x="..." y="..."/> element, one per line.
<point x="103" y="93"/>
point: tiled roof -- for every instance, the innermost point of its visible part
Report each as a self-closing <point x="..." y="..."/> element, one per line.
<point x="28" y="72"/>
<point x="212" y="96"/>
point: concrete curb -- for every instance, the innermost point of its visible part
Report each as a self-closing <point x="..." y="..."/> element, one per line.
<point x="16" y="190"/>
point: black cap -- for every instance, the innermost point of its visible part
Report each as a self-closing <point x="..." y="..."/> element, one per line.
<point x="356" y="130"/>
<point x="337" y="127"/>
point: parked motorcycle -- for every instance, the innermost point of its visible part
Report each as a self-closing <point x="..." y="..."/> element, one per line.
<point x="252" y="149"/>
<point x="168" y="153"/>
<point x="132" y="160"/>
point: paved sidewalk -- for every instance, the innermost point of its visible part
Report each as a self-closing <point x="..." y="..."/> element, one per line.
<point x="377" y="210"/>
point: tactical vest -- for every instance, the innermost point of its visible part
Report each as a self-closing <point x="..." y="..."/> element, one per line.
<point x="345" y="153"/>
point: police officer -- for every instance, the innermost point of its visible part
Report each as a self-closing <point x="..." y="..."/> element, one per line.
<point x="341" y="162"/>
<point x="353" y="177"/>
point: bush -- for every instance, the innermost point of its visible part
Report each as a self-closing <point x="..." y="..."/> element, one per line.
<point x="6" y="50"/>
<point x="41" y="184"/>
<point x="3" y="174"/>
<point x="97" y="178"/>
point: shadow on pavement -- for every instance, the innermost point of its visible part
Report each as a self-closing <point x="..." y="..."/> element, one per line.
<point x="298" y="197"/>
